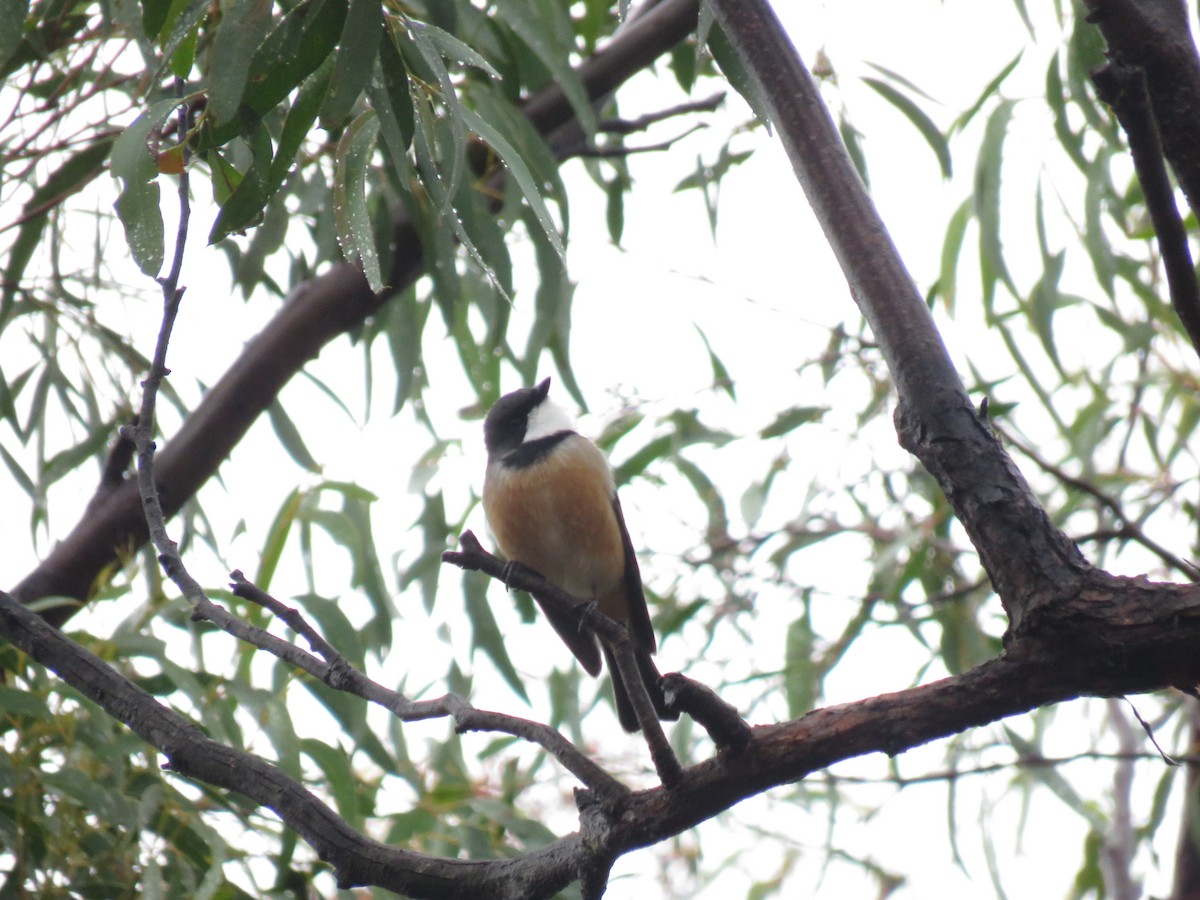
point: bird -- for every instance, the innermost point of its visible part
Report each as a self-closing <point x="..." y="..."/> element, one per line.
<point x="551" y="504"/>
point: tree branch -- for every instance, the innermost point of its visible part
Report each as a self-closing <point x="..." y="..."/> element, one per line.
<point x="1153" y="35"/>
<point x="1115" y="636"/>
<point x="336" y="671"/>
<point x="1029" y="560"/>
<point x="1124" y="89"/>
<point x="316" y="313"/>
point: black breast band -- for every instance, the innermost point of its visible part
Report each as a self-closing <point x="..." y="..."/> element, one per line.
<point x="534" y="451"/>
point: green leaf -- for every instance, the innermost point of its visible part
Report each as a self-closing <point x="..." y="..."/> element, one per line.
<point x="717" y="528"/>
<point x="956" y="231"/>
<point x="552" y="302"/>
<point x="485" y="633"/>
<point x="990" y="89"/>
<point x="177" y="36"/>
<point x="137" y="206"/>
<point x="276" y="540"/>
<point x="793" y="418"/>
<point x="731" y="66"/>
<point x="799" y="675"/>
<point x="1095" y="238"/>
<point x="333" y="625"/>
<point x="721" y="379"/>
<point x="391" y="98"/>
<point x="933" y="136"/>
<point x="1023" y="12"/>
<point x="289" y="436"/>
<point x="296" y="48"/>
<point x="427" y="135"/>
<point x="245" y="204"/>
<point x="614" y="209"/>
<point x="351" y="714"/>
<point x="18" y="703"/>
<point x="351" y="204"/>
<point x="987" y="203"/>
<point x="12" y="27"/>
<point x="339" y="778"/>
<point x="545" y="29"/>
<point x="405" y="329"/>
<point x="355" y="60"/>
<point x="1056" y="98"/>
<point x="243" y="25"/>
<point x="67" y="461"/>
<point x="1052" y="777"/>
<point x="138" y="209"/>
<point x="520" y="173"/>
<point x="451" y="48"/>
<point x="19" y="475"/>
<point x="1044" y="302"/>
<point x="852" y="140"/>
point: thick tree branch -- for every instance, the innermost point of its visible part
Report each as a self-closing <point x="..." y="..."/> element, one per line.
<point x="1153" y="35"/>
<point x="1029" y="561"/>
<point x="1115" y="636"/>
<point x="316" y="313"/>
<point x="1124" y="89"/>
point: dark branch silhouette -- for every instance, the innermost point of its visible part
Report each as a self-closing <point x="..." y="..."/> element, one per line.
<point x="1153" y="35"/>
<point x="1124" y="89"/>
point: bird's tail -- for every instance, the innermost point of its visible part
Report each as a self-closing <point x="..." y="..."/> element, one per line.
<point x="650" y="677"/>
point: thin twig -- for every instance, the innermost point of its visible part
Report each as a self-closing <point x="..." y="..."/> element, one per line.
<point x="641" y="123"/>
<point x="336" y="671"/>
<point x="143" y="433"/>
<point x="616" y="152"/>
<point x="1129" y="527"/>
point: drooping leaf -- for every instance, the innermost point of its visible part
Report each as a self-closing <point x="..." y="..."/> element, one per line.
<point x="920" y="120"/>
<point x="351" y="197"/>
<point x="987" y="203"/>
<point x="956" y="231"/>
<point x="485" y="633"/>
<point x="793" y="418"/>
<point x="290" y="438"/>
<point x="354" y="60"/>
<point x="243" y="25"/>
<point x="244" y="206"/>
<point x="12" y="27"/>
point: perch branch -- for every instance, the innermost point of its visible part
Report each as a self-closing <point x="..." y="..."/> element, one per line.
<point x="333" y="669"/>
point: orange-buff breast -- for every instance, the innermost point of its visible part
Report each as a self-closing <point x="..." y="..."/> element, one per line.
<point x="556" y="516"/>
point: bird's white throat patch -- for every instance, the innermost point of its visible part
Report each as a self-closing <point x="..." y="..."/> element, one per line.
<point x="547" y="418"/>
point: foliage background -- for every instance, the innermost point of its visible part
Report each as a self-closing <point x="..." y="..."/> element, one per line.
<point x="791" y="547"/>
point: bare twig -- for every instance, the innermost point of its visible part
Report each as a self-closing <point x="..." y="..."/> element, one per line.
<point x="1129" y="528"/>
<point x="336" y="671"/>
<point x="641" y="123"/>
<point x="616" y="152"/>
<point x="142" y="434"/>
